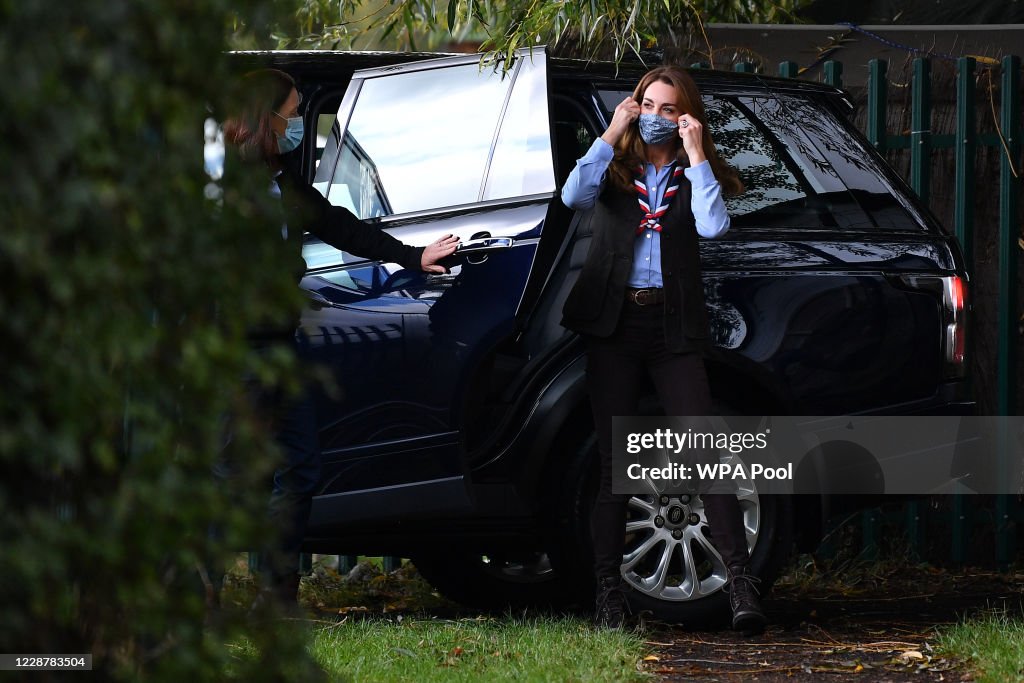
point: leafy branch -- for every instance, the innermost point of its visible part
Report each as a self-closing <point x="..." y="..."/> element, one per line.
<point x="606" y="29"/>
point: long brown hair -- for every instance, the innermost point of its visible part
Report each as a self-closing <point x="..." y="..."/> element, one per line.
<point x="251" y="113"/>
<point x="629" y="150"/>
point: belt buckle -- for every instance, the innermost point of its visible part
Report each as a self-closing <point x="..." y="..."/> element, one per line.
<point x="641" y="297"/>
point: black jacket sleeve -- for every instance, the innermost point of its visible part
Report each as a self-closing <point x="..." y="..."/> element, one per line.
<point x="307" y="210"/>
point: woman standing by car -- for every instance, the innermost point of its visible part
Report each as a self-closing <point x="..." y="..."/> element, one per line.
<point x="654" y="182"/>
<point x="264" y="127"/>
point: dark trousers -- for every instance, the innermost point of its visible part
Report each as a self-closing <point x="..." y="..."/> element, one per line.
<point x="616" y="368"/>
<point x="296" y="474"/>
<point x="295" y="482"/>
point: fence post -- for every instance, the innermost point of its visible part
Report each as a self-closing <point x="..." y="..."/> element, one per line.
<point x="920" y="134"/>
<point x="913" y="523"/>
<point x="834" y="73"/>
<point x="347" y="563"/>
<point x="789" y="69"/>
<point x="959" y="523"/>
<point x="965" y="151"/>
<point x="1009" y="121"/>
<point x="878" y="93"/>
<point x="966" y="148"/>
<point x="1009" y="158"/>
<point x="255" y="564"/>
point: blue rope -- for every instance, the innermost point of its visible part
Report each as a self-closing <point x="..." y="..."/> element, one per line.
<point x="898" y="46"/>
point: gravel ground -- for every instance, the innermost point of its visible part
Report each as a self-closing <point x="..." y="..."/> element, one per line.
<point x="872" y="627"/>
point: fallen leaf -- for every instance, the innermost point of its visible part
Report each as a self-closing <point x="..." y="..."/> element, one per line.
<point x="652" y="658"/>
<point x="456" y="651"/>
<point x="912" y="654"/>
<point x="858" y="668"/>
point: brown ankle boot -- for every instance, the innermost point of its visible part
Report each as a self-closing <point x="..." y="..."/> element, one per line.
<point x="611" y="606"/>
<point x="747" y="615"/>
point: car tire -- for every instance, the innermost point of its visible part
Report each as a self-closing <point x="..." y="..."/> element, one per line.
<point x="679" y="598"/>
<point x="492" y="582"/>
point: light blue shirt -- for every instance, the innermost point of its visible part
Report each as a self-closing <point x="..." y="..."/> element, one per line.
<point x="275" y="192"/>
<point x="584" y="185"/>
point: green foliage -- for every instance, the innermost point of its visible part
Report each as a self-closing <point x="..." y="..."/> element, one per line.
<point x="992" y="644"/>
<point x="594" y="28"/>
<point x="123" y="318"/>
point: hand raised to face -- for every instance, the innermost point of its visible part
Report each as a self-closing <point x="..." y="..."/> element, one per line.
<point x="691" y="132"/>
<point x="626" y="112"/>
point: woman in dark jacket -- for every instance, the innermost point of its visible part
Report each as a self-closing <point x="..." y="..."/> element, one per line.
<point x="264" y="126"/>
<point x="653" y="182"/>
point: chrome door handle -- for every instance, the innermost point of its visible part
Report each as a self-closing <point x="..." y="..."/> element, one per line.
<point x="484" y="245"/>
<point x="476" y="250"/>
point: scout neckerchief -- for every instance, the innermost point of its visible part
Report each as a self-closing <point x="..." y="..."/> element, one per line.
<point x="650" y="220"/>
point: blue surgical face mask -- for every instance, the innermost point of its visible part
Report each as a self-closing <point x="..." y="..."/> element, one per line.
<point x="656" y="129"/>
<point x="293" y="133"/>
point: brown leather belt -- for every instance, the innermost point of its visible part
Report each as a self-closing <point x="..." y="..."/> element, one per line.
<point x="648" y="296"/>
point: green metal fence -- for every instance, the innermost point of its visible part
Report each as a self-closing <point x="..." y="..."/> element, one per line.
<point x="966" y="141"/>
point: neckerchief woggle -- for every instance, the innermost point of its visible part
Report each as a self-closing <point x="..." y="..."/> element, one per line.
<point x="650" y="221"/>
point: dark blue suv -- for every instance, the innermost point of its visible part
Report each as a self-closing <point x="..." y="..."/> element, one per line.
<point x="462" y="436"/>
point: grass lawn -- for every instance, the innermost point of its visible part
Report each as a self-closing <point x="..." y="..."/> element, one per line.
<point x="372" y="629"/>
<point x="557" y="649"/>
<point x="482" y="649"/>
<point x="993" y="646"/>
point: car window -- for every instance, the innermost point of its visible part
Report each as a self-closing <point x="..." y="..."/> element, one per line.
<point x="833" y="145"/>
<point x="326" y="131"/>
<point x="776" y="187"/>
<point x="418" y="140"/>
<point x="784" y="185"/>
<point x="572" y="134"/>
<point x="771" y="185"/>
<point x="795" y="175"/>
<point x="522" y="155"/>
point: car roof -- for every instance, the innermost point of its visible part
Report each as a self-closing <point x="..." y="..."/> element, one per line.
<point x="719" y="81"/>
<point x="337" y="66"/>
<point x="326" y="66"/>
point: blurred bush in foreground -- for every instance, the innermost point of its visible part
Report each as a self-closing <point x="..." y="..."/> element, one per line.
<point x="127" y="292"/>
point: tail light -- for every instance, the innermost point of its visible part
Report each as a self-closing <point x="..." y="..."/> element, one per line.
<point x="954" y="300"/>
<point x="953" y="291"/>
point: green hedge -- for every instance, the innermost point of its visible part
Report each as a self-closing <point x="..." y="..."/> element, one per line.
<point x="125" y="299"/>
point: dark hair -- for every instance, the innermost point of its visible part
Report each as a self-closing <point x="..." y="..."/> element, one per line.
<point x="258" y="95"/>
<point x="629" y="151"/>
